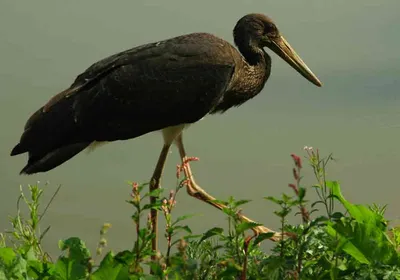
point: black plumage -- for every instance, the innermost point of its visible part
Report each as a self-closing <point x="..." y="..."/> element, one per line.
<point x="151" y="87"/>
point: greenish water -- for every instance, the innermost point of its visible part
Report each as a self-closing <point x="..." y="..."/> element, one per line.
<point x="351" y="46"/>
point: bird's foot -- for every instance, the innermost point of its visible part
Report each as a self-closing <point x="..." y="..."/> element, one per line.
<point x="194" y="190"/>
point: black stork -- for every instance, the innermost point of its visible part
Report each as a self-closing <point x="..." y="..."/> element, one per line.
<point x="162" y="86"/>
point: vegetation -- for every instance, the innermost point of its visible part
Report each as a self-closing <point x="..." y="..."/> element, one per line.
<point x="354" y="243"/>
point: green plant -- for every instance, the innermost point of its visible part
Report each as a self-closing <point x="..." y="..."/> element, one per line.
<point x="355" y="243"/>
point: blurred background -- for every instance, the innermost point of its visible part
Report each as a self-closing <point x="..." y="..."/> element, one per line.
<point x="352" y="46"/>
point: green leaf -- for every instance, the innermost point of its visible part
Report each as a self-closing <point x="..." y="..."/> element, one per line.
<point x="143" y="232"/>
<point x="363" y="236"/>
<point x="223" y="202"/>
<point x="109" y="269"/>
<point x="7" y="256"/>
<point x="76" y="248"/>
<point x="359" y="212"/>
<point x="243" y="226"/>
<point x="181" y="218"/>
<point x="30" y="255"/>
<point x="211" y="232"/>
<point x="75" y="265"/>
<point x="156" y="192"/>
<point x="19" y="267"/>
<point x="229" y="212"/>
<point x="231" y="270"/>
<point x="124" y="257"/>
<point x="262" y="236"/>
<point x="240" y="202"/>
<point x="286" y="198"/>
<point x="273" y="199"/>
<point x="185" y="228"/>
<point x="316" y="203"/>
<point x="337" y="215"/>
<point x="348" y="247"/>
<point x="157" y="270"/>
<point x="40" y="270"/>
<point x="156" y="205"/>
<point x="302" y="193"/>
<point x="63" y="269"/>
<point x="317" y="186"/>
<point x="283" y="213"/>
<point x="318" y="221"/>
<point x="192" y="236"/>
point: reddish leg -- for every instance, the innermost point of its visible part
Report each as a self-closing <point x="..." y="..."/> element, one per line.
<point x="193" y="189"/>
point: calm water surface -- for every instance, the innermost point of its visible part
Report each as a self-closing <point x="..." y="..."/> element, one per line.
<point x="351" y="46"/>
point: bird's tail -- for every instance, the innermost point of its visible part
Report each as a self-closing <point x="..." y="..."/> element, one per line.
<point x="51" y="135"/>
<point x="42" y="163"/>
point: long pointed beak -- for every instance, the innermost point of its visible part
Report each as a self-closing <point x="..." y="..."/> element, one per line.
<point x="282" y="48"/>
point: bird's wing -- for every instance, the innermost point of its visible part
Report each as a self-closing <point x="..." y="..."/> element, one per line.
<point x="168" y="87"/>
<point x="132" y="93"/>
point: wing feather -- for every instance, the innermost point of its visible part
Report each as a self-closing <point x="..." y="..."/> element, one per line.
<point x="131" y="93"/>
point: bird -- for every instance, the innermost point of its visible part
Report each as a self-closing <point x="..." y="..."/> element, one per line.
<point x="162" y="86"/>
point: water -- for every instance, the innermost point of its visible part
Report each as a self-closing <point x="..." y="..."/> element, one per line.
<point x="351" y="46"/>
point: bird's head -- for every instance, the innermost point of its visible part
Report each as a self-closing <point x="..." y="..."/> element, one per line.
<point x="256" y="31"/>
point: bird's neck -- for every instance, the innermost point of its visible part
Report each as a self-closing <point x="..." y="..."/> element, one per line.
<point x="252" y="54"/>
<point x="252" y="71"/>
<point x="258" y="62"/>
<point x="256" y="59"/>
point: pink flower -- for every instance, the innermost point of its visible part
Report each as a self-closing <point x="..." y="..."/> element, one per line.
<point x="297" y="160"/>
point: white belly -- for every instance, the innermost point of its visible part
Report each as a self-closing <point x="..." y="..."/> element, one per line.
<point x="172" y="132"/>
<point x="169" y="134"/>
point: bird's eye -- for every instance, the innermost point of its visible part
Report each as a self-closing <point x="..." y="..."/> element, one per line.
<point x="271" y="30"/>
<point x="271" y="27"/>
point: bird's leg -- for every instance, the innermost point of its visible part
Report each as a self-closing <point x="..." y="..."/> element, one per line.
<point x="155" y="184"/>
<point x="193" y="189"/>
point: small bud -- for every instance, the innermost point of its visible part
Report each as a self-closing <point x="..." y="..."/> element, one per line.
<point x="103" y="242"/>
<point x="105" y="228"/>
<point x="164" y="208"/>
<point x="294" y="188"/>
<point x="295" y="174"/>
<point x="305" y="215"/>
<point x="135" y="189"/>
<point x="98" y="251"/>
<point x="178" y="171"/>
<point x="149" y="223"/>
<point x="158" y="255"/>
<point x="297" y="160"/>
<point x="182" y="245"/>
